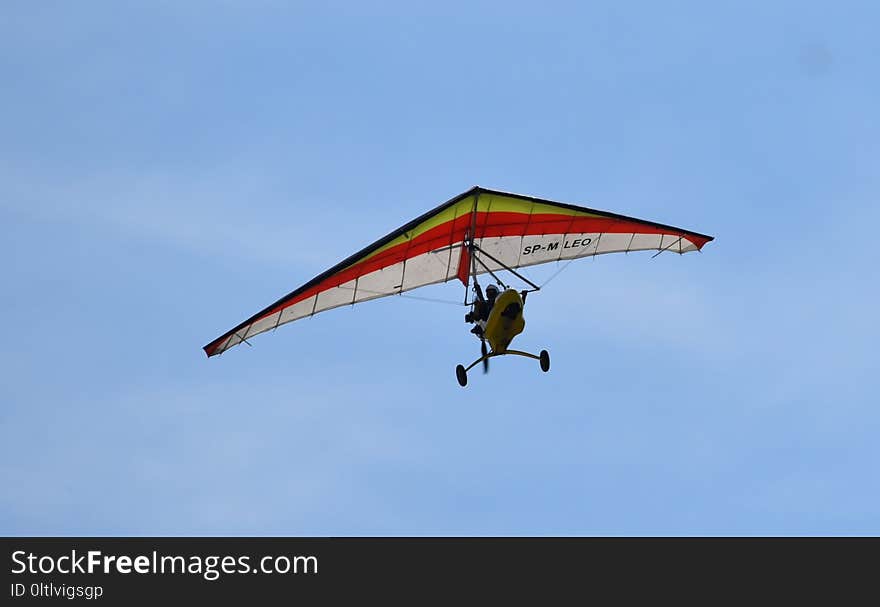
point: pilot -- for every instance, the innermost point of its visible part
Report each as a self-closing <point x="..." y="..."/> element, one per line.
<point x="481" y="311"/>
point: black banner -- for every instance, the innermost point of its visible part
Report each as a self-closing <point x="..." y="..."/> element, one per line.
<point x="240" y="570"/>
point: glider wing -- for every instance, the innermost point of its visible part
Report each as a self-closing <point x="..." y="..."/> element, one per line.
<point x="515" y="230"/>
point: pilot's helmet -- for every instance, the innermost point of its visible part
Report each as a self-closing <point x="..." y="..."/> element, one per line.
<point x="492" y="291"/>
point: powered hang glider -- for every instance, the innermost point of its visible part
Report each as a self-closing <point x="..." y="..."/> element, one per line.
<point x="478" y="232"/>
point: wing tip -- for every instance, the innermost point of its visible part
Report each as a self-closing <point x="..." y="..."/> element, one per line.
<point x="706" y="240"/>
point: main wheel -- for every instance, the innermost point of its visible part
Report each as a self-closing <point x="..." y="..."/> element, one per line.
<point x="461" y="374"/>
<point x="545" y="361"/>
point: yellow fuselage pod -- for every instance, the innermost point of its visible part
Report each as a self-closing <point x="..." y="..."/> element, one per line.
<point x="505" y="320"/>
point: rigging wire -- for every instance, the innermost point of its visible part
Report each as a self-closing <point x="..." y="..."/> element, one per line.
<point x="432" y="299"/>
<point x="399" y="294"/>
<point x="558" y="272"/>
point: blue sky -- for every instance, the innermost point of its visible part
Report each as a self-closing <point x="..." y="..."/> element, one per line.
<point x="167" y="169"/>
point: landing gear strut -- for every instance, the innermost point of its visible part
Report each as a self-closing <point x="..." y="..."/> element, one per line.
<point x="461" y="371"/>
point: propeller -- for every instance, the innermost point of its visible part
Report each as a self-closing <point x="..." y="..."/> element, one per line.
<point x="485" y="352"/>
